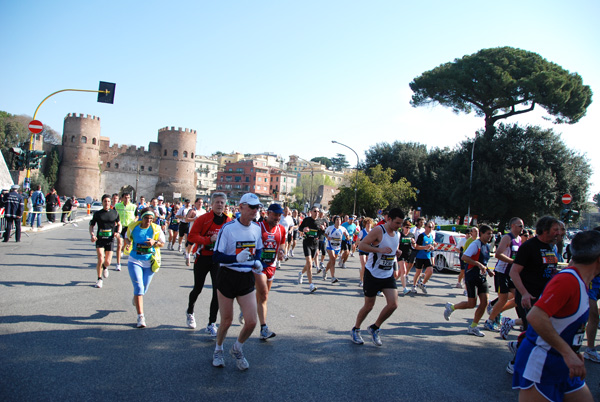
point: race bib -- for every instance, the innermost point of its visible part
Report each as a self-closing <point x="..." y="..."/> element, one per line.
<point x="104" y="233"/>
<point x="387" y="261"/>
<point x="268" y="255"/>
<point x="142" y="249"/>
<point x="335" y="242"/>
<point x="405" y="240"/>
<point x="311" y="233"/>
<point x="241" y="245"/>
<point x="578" y="338"/>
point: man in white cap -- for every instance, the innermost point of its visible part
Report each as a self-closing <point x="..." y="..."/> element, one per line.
<point x="14" y="206"/>
<point x="238" y="249"/>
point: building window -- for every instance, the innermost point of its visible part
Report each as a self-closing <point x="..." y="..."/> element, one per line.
<point x="93" y="141"/>
<point x="185" y="154"/>
<point x="116" y="165"/>
<point x="72" y="138"/>
<point x="165" y="154"/>
<point x="142" y="168"/>
<point x="107" y="164"/>
<point x="175" y="154"/>
<point x="84" y="140"/>
<point x="192" y="155"/>
<point x="247" y="179"/>
<point x="150" y="168"/>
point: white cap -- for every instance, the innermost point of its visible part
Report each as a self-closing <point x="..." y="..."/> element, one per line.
<point x="250" y="199"/>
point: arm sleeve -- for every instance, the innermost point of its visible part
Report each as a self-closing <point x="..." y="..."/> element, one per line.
<point x="194" y="235"/>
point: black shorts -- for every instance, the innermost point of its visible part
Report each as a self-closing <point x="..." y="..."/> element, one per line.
<point x="310" y="247"/>
<point x="106" y="244"/>
<point x="363" y="253"/>
<point x="502" y="282"/>
<point x="232" y="283"/>
<point x="295" y="235"/>
<point x="123" y="232"/>
<point x="372" y="285"/>
<point x="421" y="263"/>
<point x="183" y="229"/>
<point x="288" y="238"/>
<point x="476" y="285"/>
<point x="408" y="256"/>
<point x="322" y="247"/>
<point x="346" y="245"/>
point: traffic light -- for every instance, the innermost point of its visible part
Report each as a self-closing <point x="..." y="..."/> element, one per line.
<point x="35" y="159"/>
<point x="574" y="216"/>
<point x="107" y="92"/>
<point x="564" y="213"/>
<point x="21" y="157"/>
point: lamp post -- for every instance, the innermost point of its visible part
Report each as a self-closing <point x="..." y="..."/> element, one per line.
<point x="356" y="180"/>
<point x="471" y="180"/>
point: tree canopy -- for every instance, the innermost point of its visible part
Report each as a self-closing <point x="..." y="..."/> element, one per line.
<point x="322" y="160"/>
<point x="502" y="82"/>
<point x="339" y="162"/>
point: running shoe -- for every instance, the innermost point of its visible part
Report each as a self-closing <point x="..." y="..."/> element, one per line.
<point x="510" y="368"/>
<point x="118" y="267"/>
<point x="278" y="264"/>
<point x="287" y="257"/>
<point x="191" y="321"/>
<point x="241" y="318"/>
<point x="448" y="311"/>
<point x="299" y="277"/>
<point x="375" y="335"/>
<point x="212" y="329"/>
<point x="498" y="319"/>
<point x="99" y="283"/>
<point x="240" y="360"/>
<point x="490" y="326"/>
<point x="334" y="280"/>
<point x="489" y="308"/>
<point x="465" y="293"/>
<point x="218" y="358"/>
<point x="291" y="253"/>
<point x="266" y="334"/>
<point x="458" y="286"/>
<point x="475" y="331"/>
<point x="319" y="269"/>
<point x="324" y="274"/>
<point x="312" y="288"/>
<point x="360" y="284"/>
<point x="179" y="248"/>
<point x="356" y="338"/>
<point x="141" y="322"/>
<point x="105" y="272"/>
<point x="413" y="290"/>
<point x="592" y="355"/>
<point x="344" y="266"/>
<point x="505" y="327"/>
<point x="321" y="266"/>
<point x="512" y="346"/>
<point x="187" y="260"/>
<point x="423" y="288"/>
<point x="406" y="291"/>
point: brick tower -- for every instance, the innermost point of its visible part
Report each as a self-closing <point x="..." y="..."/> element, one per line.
<point x="177" y="167"/>
<point x="81" y="157"/>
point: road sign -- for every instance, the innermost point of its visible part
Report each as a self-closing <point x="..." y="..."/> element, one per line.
<point x="567" y="198"/>
<point x="36" y="126"/>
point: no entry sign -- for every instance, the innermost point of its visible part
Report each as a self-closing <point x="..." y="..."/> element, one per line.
<point x="567" y="198"/>
<point x="36" y="126"/>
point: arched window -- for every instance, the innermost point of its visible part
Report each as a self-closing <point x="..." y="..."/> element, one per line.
<point x="149" y="168"/>
<point x="93" y="141"/>
<point x="116" y="165"/>
<point x="165" y="154"/>
<point x="175" y="154"/>
<point x="107" y="164"/>
<point x="72" y="138"/>
<point x="142" y="168"/>
<point x="192" y="156"/>
<point x="84" y="140"/>
<point x="185" y="154"/>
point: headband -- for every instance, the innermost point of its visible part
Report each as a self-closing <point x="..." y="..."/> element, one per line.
<point x="147" y="213"/>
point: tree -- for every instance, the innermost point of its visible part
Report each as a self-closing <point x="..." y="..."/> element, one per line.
<point x="308" y="187"/>
<point x="519" y="172"/>
<point x="51" y="171"/>
<point x="502" y="82"/>
<point x="339" y="162"/>
<point x="322" y="160"/>
<point x="597" y="199"/>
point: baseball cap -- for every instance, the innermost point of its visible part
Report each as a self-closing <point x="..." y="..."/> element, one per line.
<point x="275" y="208"/>
<point x="14" y="187"/>
<point x="160" y="198"/>
<point x="250" y="199"/>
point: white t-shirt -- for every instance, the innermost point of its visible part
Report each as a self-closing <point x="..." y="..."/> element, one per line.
<point x="334" y="237"/>
<point x="234" y="237"/>
<point x="287" y="222"/>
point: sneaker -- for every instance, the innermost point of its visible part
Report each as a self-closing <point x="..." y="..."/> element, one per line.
<point x="292" y="253"/>
<point x="179" y="249"/>
<point x="105" y="272"/>
<point x="360" y="284"/>
<point x="324" y="274"/>
<point x="375" y="336"/>
<point x="505" y="327"/>
<point x="344" y="266"/>
<point x="99" y="283"/>
<point x="241" y="318"/>
<point x="498" y="320"/>
<point x="423" y="288"/>
<point x="413" y="290"/>
<point x="475" y="331"/>
<point x="319" y="269"/>
<point x="278" y="264"/>
<point x="334" y="280"/>
<point x="240" y="360"/>
<point x="380" y="293"/>
<point x="212" y="329"/>
<point x="218" y="358"/>
<point x="300" y="277"/>
<point x="287" y="257"/>
<point x="118" y="267"/>
<point x="406" y="291"/>
<point x="187" y="260"/>
<point x="448" y="311"/>
<point x="266" y="334"/>
<point x="591" y="354"/>
<point x="512" y="346"/>
<point x="312" y="288"/>
<point x="141" y="323"/>
<point x="465" y="293"/>
<point x="458" y="286"/>
<point x="510" y="368"/>
<point x="321" y="266"/>
<point x="490" y="326"/>
<point x="356" y="338"/>
<point x="191" y="321"/>
<point x="351" y="254"/>
<point x="489" y="308"/>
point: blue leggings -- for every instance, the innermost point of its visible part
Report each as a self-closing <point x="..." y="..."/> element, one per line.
<point x="140" y="277"/>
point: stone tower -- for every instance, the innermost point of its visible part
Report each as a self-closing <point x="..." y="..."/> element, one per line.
<point x="80" y="167"/>
<point x="177" y="167"/>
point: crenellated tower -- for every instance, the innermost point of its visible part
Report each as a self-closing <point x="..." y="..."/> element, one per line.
<point x="177" y="166"/>
<point x="80" y="167"/>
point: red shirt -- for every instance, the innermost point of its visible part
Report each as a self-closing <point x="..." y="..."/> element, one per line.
<point x="272" y="238"/>
<point x="561" y="296"/>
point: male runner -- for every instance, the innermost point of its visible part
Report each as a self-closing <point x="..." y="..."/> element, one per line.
<point x="425" y="244"/>
<point x="193" y="214"/>
<point x="184" y="227"/>
<point x="334" y="235"/>
<point x="109" y="224"/>
<point x="348" y="241"/>
<point x="311" y="229"/>
<point x="126" y="211"/>
<point x="288" y="223"/>
<point x="238" y="249"/>
<point x="382" y="245"/>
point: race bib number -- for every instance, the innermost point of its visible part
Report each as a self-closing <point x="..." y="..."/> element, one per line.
<point x="578" y="338"/>
<point x="268" y="255"/>
<point x="405" y="240"/>
<point x="241" y="245"/>
<point x="104" y="233"/>
<point x="211" y="246"/>
<point x="143" y="249"/>
<point x="311" y="233"/>
<point x="387" y="261"/>
<point x="335" y="242"/>
<point x="174" y="221"/>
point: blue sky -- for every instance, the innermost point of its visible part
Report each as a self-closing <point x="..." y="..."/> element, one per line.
<point x="280" y="76"/>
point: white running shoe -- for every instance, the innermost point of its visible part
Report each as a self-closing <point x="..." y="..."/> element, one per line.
<point x="405" y="291"/>
<point x="191" y="321"/>
<point x="265" y="333"/>
<point x="334" y="280"/>
<point x="141" y="322"/>
<point x="240" y="360"/>
<point x="118" y="267"/>
<point x="99" y="283"/>
<point x="212" y="329"/>
<point x="105" y="272"/>
<point x="344" y="266"/>
<point x="218" y="358"/>
<point x="300" y="278"/>
<point x="187" y="259"/>
<point x="292" y="253"/>
<point x="312" y="288"/>
<point x="475" y="331"/>
<point x="592" y="355"/>
<point x="448" y="311"/>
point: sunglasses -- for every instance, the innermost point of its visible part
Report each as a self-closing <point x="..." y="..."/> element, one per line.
<point x="253" y="206"/>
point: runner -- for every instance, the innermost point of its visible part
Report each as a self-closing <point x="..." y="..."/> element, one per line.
<point x="311" y="230"/>
<point x="126" y="211"/>
<point x="109" y="225"/>
<point x="407" y="242"/>
<point x="382" y="245"/>
<point x="173" y="226"/>
<point x="184" y="227"/>
<point x="193" y="214"/>
<point x="348" y="241"/>
<point x="203" y="234"/>
<point x="362" y="256"/>
<point x="477" y="256"/>
<point x="288" y="223"/>
<point x="322" y="220"/>
<point x="238" y="249"/>
<point x="425" y="244"/>
<point x="334" y="235"/>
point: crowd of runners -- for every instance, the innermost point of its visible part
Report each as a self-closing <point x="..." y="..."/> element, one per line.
<point x="242" y="247"/>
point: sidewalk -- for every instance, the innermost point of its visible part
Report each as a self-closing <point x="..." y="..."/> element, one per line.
<point x="58" y="224"/>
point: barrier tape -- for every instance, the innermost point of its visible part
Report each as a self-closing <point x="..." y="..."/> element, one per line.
<point x="447" y="247"/>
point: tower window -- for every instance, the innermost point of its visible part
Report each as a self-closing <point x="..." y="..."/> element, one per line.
<point x="149" y="168"/>
<point x="165" y="154"/>
<point x="93" y="141"/>
<point x="107" y="164"/>
<point x="185" y="154"/>
<point x="72" y="138"/>
<point x="142" y="168"/>
<point x="84" y="140"/>
<point x="175" y="154"/>
<point x="116" y="165"/>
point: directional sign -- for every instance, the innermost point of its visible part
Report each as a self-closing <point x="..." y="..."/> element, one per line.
<point x="567" y="198"/>
<point x="36" y="126"/>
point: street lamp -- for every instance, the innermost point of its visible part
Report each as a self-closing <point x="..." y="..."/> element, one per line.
<point x="471" y="180"/>
<point x="356" y="180"/>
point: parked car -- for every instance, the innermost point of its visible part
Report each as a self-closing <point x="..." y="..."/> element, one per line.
<point x="446" y="254"/>
<point x="96" y="206"/>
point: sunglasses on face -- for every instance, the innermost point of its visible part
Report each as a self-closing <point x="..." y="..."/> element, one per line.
<point x="253" y="206"/>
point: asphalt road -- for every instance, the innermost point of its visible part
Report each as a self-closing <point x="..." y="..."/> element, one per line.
<point x="62" y="339"/>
